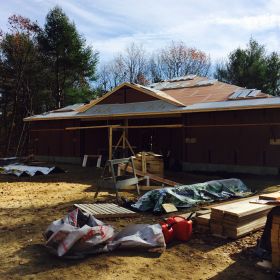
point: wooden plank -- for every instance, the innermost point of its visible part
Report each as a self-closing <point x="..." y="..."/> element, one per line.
<point x="236" y="232"/>
<point x="231" y="201"/>
<point x="202" y="212"/>
<point x="153" y="177"/>
<point x="120" y="126"/>
<point x="203" y="219"/>
<point x="90" y="127"/>
<point x="110" y="142"/>
<point x="169" y="207"/>
<point x="242" y="208"/>
<point x="238" y="218"/>
<point x="48" y="129"/>
<point x="232" y="124"/>
<point x="270" y="196"/>
<point x="154" y="126"/>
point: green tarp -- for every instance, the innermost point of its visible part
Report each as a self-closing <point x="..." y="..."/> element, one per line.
<point x="190" y="195"/>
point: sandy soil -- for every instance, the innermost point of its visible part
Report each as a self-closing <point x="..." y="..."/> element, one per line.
<point x="28" y="205"/>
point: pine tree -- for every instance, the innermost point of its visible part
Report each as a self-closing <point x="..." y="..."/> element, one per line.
<point x="252" y="68"/>
<point x="71" y="64"/>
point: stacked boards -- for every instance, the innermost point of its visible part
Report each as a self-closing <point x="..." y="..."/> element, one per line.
<point x="275" y="241"/>
<point x="203" y="223"/>
<point x="270" y="196"/>
<point x="237" y="219"/>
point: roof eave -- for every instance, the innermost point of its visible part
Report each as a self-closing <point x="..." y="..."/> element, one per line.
<point x="186" y="111"/>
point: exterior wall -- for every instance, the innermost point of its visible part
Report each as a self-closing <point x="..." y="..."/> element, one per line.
<point x="48" y="138"/>
<point x="219" y="142"/>
<point x="223" y="141"/>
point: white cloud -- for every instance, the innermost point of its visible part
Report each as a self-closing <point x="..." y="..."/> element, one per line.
<point x="250" y="23"/>
<point x="216" y="27"/>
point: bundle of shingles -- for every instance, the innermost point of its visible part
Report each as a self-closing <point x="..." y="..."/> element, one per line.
<point x="235" y="219"/>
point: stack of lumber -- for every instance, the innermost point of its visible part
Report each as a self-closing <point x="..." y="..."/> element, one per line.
<point x="275" y="241"/>
<point x="270" y="196"/>
<point x="149" y="162"/>
<point x="203" y="223"/>
<point x="237" y="219"/>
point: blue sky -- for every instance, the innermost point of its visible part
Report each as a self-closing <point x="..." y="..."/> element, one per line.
<point x="216" y="27"/>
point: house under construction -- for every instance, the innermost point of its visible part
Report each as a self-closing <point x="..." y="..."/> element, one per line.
<point x="194" y="122"/>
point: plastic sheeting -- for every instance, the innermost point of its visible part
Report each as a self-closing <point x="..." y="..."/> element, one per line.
<point x="78" y="234"/>
<point x="189" y="195"/>
<point x="26" y="170"/>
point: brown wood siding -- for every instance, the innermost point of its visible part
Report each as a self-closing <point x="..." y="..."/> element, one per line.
<point x="223" y="144"/>
<point x="48" y="138"/>
<point x="239" y="145"/>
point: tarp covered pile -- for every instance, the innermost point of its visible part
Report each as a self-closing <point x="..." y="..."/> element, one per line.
<point x="79" y="234"/>
<point x="190" y="195"/>
<point x="27" y="170"/>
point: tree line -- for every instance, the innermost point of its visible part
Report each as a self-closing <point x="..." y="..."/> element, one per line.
<point x="135" y="65"/>
<point x="41" y="68"/>
<point x="47" y="67"/>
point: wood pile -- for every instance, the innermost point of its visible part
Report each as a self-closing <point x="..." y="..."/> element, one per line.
<point x="237" y="219"/>
<point x="203" y="223"/>
<point x="275" y="241"/>
<point x="149" y="162"/>
<point x="270" y="196"/>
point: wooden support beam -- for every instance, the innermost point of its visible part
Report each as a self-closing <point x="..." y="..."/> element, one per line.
<point x="129" y="146"/>
<point x="152" y="126"/>
<point x="48" y="129"/>
<point x="110" y="134"/>
<point x="152" y="177"/>
<point x="232" y="125"/>
<point x="125" y="127"/>
<point x="91" y="127"/>
<point x="157" y="126"/>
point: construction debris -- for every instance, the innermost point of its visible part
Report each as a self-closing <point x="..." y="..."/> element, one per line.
<point x="8" y="160"/>
<point x="79" y="234"/>
<point x="26" y="170"/>
<point x="169" y="207"/>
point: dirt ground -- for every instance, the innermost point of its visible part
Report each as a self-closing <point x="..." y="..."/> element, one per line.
<point x="29" y="205"/>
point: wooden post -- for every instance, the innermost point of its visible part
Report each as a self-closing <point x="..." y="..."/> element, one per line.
<point x="110" y="142"/>
<point x="123" y="143"/>
<point x="124" y="137"/>
<point x="144" y="163"/>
